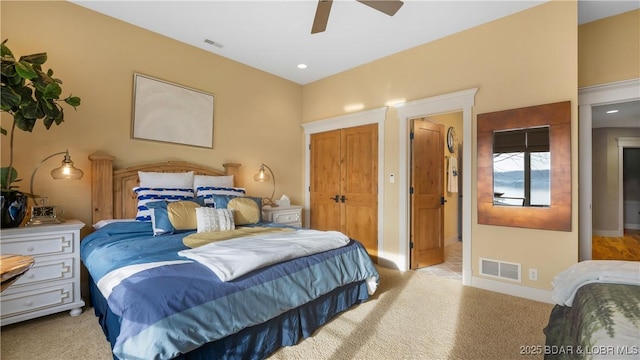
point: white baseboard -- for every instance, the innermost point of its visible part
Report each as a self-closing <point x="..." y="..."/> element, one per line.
<point x="607" y="233"/>
<point x="513" y="289"/>
<point x="632" y="226"/>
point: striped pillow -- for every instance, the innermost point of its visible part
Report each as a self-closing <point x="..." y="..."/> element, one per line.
<point x="210" y="219"/>
<point x="146" y="195"/>
<point x="206" y="193"/>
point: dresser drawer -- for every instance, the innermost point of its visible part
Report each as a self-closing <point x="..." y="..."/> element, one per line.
<point x="45" y="271"/>
<point x="286" y="217"/>
<point x="39" y="245"/>
<point x="28" y="301"/>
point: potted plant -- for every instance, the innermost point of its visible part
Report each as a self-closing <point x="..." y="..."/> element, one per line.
<point x="28" y="95"/>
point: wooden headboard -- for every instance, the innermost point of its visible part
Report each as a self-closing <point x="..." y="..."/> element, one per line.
<point x="111" y="189"/>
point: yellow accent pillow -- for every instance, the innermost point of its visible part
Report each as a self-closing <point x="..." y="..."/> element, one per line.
<point x="245" y="210"/>
<point x="182" y="214"/>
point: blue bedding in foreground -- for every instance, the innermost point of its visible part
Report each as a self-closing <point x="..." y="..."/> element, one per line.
<point x="169" y="305"/>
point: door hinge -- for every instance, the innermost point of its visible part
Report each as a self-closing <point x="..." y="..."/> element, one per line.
<point x="411" y="245"/>
<point x="411" y="135"/>
<point x="411" y="190"/>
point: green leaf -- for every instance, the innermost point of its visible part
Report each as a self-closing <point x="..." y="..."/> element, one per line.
<point x="47" y="121"/>
<point x="73" y="101"/>
<point x="4" y="171"/>
<point x="9" y="98"/>
<point x="23" y="123"/>
<point x="4" y="50"/>
<point x="50" y="109"/>
<point x="8" y="68"/>
<point x="52" y="91"/>
<point x="39" y="58"/>
<point x="25" y="70"/>
<point x="30" y="111"/>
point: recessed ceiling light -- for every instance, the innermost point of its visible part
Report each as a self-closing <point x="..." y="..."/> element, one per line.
<point x="612" y="111"/>
<point x="302" y="66"/>
<point x="211" y="42"/>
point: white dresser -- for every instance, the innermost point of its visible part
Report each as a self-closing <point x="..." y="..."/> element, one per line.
<point x="52" y="284"/>
<point x="288" y="215"/>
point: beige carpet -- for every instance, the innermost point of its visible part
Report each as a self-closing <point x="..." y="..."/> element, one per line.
<point x="412" y="316"/>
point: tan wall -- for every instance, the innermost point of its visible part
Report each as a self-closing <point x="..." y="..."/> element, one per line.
<point x="515" y="61"/>
<point x="609" y="49"/>
<point x="606" y="180"/>
<point x="257" y="115"/>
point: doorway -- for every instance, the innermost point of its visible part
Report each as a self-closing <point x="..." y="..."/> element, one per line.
<point x="461" y="101"/>
<point x="590" y="99"/>
<point x="436" y="231"/>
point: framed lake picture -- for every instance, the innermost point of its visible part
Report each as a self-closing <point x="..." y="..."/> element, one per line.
<point x="168" y="112"/>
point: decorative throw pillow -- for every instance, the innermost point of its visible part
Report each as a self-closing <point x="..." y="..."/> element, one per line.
<point x="146" y="195"/>
<point x="168" y="217"/>
<point x="210" y="219"/>
<point x="206" y="193"/>
<point x="245" y="210"/>
<point x="212" y="181"/>
<point x="165" y="179"/>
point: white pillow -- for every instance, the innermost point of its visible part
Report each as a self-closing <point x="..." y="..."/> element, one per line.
<point x="165" y="179"/>
<point x="210" y="219"/>
<point x="212" y="181"/>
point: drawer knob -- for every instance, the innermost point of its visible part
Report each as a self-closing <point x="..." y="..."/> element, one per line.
<point x="28" y="303"/>
<point x="30" y="248"/>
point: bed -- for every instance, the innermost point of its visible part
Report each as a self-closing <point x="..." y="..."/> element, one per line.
<point x="597" y="312"/>
<point x="170" y="296"/>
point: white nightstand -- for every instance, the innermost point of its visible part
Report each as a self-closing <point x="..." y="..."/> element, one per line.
<point x="287" y="215"/>
<point x="52" y="284"/>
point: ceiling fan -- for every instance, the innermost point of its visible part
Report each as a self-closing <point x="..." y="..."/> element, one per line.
<point x="389" y="7"/>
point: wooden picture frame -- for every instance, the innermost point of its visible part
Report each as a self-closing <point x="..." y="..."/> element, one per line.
<point x="168" y="112"/>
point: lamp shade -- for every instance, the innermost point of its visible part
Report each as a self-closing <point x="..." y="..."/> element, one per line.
<point x="262" y="175"/>
<point x="67" y="170"/>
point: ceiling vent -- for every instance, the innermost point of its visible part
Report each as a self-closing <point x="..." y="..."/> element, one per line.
<point x="500" y="269"/>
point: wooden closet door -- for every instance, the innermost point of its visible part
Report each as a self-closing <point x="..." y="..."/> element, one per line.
<point x="325" y="181"/>
<point x="344" y="183"/>
<point x="359" y="186"/>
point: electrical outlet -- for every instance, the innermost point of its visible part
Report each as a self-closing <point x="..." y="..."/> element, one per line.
<point x="533" y="274"/>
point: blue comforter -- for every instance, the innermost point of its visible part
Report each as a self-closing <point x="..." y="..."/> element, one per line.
<point x="169" y="305"/>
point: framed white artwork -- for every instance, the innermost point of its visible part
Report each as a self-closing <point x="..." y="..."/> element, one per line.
<point x="168" y="112"/>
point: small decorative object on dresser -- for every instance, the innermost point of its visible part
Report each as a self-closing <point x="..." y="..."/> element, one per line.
<point x="52" y="284"/>
<point x="286" y="215"/>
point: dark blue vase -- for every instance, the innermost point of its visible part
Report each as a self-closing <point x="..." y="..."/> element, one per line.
<point x="14" y="208"/>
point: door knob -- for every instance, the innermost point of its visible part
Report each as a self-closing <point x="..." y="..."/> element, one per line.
<point x="335" y="198"/>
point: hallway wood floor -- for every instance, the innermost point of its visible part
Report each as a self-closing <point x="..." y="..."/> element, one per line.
<point x="617" y="248"/>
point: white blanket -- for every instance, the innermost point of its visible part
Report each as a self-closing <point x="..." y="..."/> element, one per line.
<point x="566" y="283"/>
<point x="231" y="259"/>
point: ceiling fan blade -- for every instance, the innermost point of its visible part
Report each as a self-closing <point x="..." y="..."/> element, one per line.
<point x="322" y="16"/>
<point x="389" y="7"/>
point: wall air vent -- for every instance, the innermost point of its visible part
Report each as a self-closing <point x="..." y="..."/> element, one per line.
<point x="500" y="269"/>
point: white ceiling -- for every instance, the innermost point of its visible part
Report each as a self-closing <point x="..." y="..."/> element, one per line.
<point x="274" y="36"/>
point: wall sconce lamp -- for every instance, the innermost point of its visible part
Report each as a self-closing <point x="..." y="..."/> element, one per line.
<point x="41" y="213"/>
<point x="262" y="176"/>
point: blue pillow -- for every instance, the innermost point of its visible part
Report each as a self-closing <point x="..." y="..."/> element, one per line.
<point x="221" y="201"/>
<point x="160" y="219"/>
